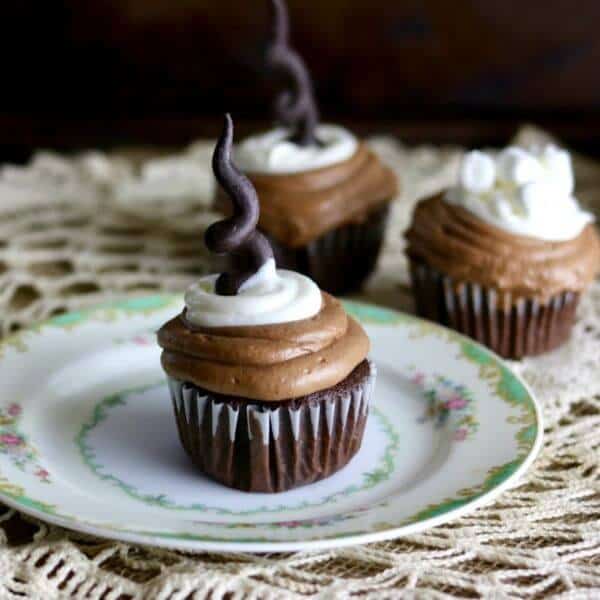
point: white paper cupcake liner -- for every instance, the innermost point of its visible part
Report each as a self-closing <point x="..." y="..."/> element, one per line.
<point x="513" y="328"/>
<point x="258" y="447"/>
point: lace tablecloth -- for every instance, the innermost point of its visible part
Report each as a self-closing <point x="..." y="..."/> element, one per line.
<point x="77" y="231"/>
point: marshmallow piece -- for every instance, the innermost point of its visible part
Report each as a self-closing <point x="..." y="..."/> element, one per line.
<point x="518" y="166"/>
<point x="500" y="207"/>
<point x="560" y="170"/>
<point x="535" y="197"/>
<point x="477" y="172"/>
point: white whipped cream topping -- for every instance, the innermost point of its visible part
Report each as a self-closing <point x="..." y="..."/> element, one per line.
<point x="525" y="192"/>
<point x="273" y="153"/>
<point x="270" y="296"/>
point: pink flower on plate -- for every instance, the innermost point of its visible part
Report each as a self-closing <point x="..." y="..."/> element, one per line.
<point x="460" y="435"/>
<point x="42" y="474"/>
<point x="10" y="440"/>
<point x="14" y="410"/>
<point x="418" y="379"/>
<point x="455" y="402"/>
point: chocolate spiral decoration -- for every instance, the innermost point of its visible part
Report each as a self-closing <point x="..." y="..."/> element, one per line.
<point x="236" y="235"/>
<point x="296" y="106"/>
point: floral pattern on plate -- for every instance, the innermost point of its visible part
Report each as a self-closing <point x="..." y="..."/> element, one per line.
<point x="14" y="444"/>
<point x="447" y="402"/>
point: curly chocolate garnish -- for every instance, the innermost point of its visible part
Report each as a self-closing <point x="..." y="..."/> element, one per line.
<point x="236" y="235"/>
<point x="295" y="107"/>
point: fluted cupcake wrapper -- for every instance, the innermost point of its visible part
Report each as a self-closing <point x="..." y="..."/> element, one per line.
<point x="513" y="327"/>
<point x="261" y="448"/>
<point x="340" y="260"/>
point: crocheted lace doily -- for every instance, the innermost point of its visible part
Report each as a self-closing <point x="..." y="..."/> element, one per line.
<point x="75" y="231"/>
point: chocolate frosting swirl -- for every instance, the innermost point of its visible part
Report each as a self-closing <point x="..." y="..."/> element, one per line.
<point x="455" y="242"/>
<point x="294" y="107"/>
<point x="237" y="234"/>
<point x="296" y="208"/>
<point x="266" y="362"/>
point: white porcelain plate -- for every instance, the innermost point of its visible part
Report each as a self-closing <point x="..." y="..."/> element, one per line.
<point x="88" y="439"/>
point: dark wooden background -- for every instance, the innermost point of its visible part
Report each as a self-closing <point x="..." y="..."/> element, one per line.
<point x="109" y="72"/>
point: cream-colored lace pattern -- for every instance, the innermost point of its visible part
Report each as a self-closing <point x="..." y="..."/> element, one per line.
<point x="76" y="231"/>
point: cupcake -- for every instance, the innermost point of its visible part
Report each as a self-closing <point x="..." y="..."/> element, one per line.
<point x="268" y="375"/>
<point x="324" y="194"/>
<point x="505" y="255"/>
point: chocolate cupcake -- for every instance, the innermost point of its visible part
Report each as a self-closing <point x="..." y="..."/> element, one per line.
<point x="269" y="376"/>
<point x="324" y="194"/>
<point x="505" y="255"/>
